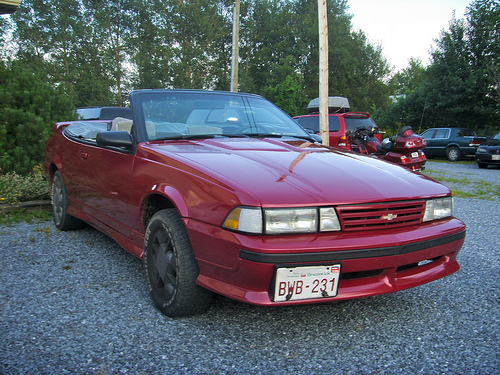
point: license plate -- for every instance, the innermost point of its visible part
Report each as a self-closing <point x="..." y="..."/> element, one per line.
<point x="414" y="154"/>
<point x="298" y="283"/>
<point x="495" y="157"/>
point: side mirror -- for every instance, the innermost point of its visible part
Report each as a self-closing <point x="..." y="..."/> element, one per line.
<point x="117" y="138"/>
<point x="313" y="135"/>
<point x="316" y="137"/>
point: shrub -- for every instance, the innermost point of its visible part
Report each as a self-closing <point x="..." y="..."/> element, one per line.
<point x="29" y="106"/>
<point x="15" y="188"/>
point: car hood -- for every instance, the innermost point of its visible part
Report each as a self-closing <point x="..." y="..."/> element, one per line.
<point x="277" y="172"/>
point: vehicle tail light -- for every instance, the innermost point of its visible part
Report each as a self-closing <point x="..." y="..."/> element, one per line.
<point x="474" y="143"/>
<point x="410" y="144"/>
<point x="342" y="141"/>
<point x="404" y="159"/>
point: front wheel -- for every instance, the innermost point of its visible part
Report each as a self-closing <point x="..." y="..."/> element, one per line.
<point x="453" y="154"/>
<point x="171" y="267"/>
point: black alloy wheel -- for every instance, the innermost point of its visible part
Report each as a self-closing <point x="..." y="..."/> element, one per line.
<point x="171" y="267"/>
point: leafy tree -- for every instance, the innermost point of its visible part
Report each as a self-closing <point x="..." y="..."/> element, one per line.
<point x="288" y="95"/>
<point x="110" y="23"/>
<point x="280" y="42"/>
<point x="409" y="79"/>
<point x="4" y="26"/>
<point x="201" y="35"/>
<point x="460" y="87"/>
<point x="149" y="45"/>
<point x="28" y="108"/>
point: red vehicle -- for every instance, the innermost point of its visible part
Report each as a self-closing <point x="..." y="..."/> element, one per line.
<point x="340" y="121"/>
<point x="223" y="192"/>
<point x="404" y="148"/>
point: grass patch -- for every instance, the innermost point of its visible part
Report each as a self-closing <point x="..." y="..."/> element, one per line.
<point x="479" y="189"/>
<point x="465" y="161"/>
<point x="33" y="216"/>
<point x="464" y="194"/>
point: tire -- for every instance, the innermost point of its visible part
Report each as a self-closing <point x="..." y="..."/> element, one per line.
<point x="453" y="153"/>
<point x="171" y="267"/>
<point x="60" y="204"/>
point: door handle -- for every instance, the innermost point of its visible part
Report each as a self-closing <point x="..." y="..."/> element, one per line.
<point x="84" y="155"/>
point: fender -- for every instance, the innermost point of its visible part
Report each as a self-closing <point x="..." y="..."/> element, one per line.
<point x="170" y="193"/>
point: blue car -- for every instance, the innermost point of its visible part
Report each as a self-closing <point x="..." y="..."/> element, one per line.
<point x="488" y="153"/>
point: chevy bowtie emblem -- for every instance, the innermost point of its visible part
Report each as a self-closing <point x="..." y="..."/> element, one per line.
<point x="389" y="217"/>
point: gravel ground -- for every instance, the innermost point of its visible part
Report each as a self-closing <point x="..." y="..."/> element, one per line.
<point x="467" y="178"/>
<point x="75" y="302"/>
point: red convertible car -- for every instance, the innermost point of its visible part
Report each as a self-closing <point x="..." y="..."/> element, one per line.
<point x="223" y="192"/>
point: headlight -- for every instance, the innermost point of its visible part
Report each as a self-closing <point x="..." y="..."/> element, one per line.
<point x="282" y="220"/>
<point x="481" y="150"/>
<point x="438" y="208"/>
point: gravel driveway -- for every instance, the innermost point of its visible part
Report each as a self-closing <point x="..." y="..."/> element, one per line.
<point x="75" y="302"/>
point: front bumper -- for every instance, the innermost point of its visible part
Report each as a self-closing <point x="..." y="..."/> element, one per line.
<point x="484" y="158"/>
<point x="376" y="262"/>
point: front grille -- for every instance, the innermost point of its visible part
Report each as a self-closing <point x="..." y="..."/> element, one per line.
<point x="381" y="215"/>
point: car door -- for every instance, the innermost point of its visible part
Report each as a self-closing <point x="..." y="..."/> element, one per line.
<point x="437" y="140"/>
<point x="104" y="182"/>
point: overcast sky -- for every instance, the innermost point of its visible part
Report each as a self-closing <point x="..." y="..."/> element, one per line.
<point x="404" y="28"/>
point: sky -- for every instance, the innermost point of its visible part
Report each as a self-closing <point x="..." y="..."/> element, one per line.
<point x="404" y="28"/>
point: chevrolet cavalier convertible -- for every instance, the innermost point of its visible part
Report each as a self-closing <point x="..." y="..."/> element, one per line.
<point x="223" y="192"/>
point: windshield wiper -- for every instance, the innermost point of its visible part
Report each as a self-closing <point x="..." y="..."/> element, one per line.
<point x="271" y="135"/>
<point x="244" y="135"/>
<point x="200" y="136"/>
<point x="185" y="136"/>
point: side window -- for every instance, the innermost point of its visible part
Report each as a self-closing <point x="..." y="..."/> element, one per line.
<point x="428" y="133"/>
<point x="354" y="122"/>
<point x="333" y="123"/>
<point x="311" y="123"/>
<point x="442" y="134"/>
<point x="466" y="133"/>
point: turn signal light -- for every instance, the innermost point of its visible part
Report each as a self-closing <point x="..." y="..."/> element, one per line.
<point x="342" y="141"/>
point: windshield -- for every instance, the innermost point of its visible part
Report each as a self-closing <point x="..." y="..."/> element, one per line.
<point x="312" y="123"/>
<point x="354" y="122"/>
<point x="184" y="114"/>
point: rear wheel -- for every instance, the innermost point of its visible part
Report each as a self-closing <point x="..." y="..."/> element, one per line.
<point x="60" y="204"/>
<point x="453" y="153"/>
<point x="171" y="267"/>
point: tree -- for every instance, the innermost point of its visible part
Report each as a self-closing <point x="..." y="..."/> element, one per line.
<point x="409" y="79"/>
<point x="4" y="26"/>
<point x="201" y="40"/>
<point x="460" y="86"/>
<point x="58" y="38"/>
<point x="280" y="43"/>
<point x="110" y="23"/>
<point x="100" y="49"/>
<point x="149" y="45"/>
<point x="28" y="108"/>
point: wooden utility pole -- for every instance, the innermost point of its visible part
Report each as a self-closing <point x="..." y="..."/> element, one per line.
<point x="323" y="72"/>
<point x="235" y="52"/>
